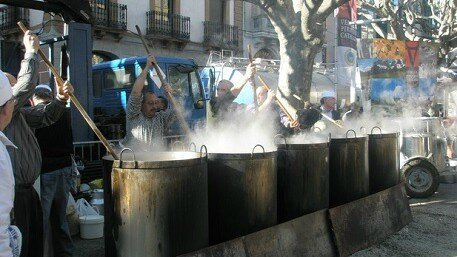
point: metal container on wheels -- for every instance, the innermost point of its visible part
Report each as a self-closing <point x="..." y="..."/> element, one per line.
<point x="384" y="159"/>
<point x="438" y="149"/>
<point x="414" y="144"/>
<point x="303" y="179"/>
<point x="348" y="169"/>
<point x="242" y="193"/>
<point x="425" y="157"/>
<point x="160" y="204"/>
<point x="431" y="139"/>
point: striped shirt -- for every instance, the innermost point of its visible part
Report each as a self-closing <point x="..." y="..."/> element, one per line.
<point x="144" y="133"/>
<point x="26" y="160"/>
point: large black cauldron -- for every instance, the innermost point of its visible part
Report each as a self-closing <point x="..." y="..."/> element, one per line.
<point x="384" y="156"/>
<point x="349" y="176"/>
<point x="303" y="179"/>
<point x="241" y="194"/>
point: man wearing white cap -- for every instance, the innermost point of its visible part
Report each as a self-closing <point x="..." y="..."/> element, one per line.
<point x="328" y="101"/>
<point x="10" y="236"/>
<point x="26" y="159"/>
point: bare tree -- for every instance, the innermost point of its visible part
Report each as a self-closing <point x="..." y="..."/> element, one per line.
<point x="300" y="28"/>
<point x="417" y="20"/>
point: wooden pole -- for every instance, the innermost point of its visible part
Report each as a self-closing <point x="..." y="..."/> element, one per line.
<point x="330" y="119"/>
<point x="75" y="101"/>
<point x="323" y="115"/>
<point x="277" y="100"/>
<point x="254" y="88"/>
<point x="178" y="108"/>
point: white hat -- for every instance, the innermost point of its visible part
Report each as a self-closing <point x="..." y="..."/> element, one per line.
<point x="328" y="94"/>
<point x="5" y="89"/>
<point x="43" y="86"/>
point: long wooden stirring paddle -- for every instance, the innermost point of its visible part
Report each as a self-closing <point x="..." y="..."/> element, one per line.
<point x="254" y="88"/>
<point x="292" y="120"/>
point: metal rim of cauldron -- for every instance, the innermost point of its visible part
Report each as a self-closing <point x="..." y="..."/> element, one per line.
<point x="348" y="140"/>
<point x="295" y="146"/>
<point x="240" y="156"/>
<point x="384" y="135"/>
<point x="197" y="159"/>
<point x="381" y="135"/>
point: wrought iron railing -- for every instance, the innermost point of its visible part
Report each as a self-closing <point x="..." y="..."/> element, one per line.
<point x="108" y="14"/>
<point x="220" y="35"/>
<point x="9" y="16"/>
<point x="168" y="24"/>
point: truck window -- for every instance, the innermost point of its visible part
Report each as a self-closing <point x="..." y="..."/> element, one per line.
<point x="186" y="82"/>
<point x="119" y="78"/>
<point x="197" y="90"/>
<point x="179" y="81"/>
<point x="97" y="83"/>
<point x="139" y="69"/>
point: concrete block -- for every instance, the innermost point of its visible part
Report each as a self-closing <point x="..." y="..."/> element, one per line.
<point x="370" y="220"/>
<point x="308" y="235"/>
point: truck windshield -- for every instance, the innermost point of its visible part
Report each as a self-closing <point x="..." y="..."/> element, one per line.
<point x="185" y="81"/>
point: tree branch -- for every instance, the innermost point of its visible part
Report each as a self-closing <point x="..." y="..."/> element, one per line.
<point x="375" y="26"/>
<point x="328" y="6"/>
<point x="279" y="12"/>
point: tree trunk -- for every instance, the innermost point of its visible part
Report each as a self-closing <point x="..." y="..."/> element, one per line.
<point x="296" y="69"/>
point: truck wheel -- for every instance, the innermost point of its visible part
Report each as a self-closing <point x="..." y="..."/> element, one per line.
<point x="421" y="178"/>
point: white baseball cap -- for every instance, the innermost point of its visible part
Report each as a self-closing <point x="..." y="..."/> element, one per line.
<point x="328" y="94"/>
<point x="44" y="87"/>
<point x="5" y="89"/>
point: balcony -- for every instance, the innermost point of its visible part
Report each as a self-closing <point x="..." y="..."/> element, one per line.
<point x="163" y="25"/>
<point x="108" y="15"/>
<point x="220" y="35"/>
<point x="9" y="16"/>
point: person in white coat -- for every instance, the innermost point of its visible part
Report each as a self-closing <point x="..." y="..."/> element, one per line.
<point x="10" y="236"/>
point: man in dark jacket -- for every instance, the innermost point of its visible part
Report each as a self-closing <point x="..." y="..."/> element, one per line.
<point x="56" y="175"/>
<point x="26" y="159"/>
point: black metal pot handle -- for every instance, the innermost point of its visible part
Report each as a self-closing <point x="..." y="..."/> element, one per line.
<point x="122" y="152"/>
<point x="278" y="136"/>
<point x="252" y="152"/>
<point x="175" y="143"/>
<point x="376" y="127"/>
<point x="201" y="151"/>
<point x="355" y="134"/>
<point x="363" y="130"/>
<point x="193" y="144"/>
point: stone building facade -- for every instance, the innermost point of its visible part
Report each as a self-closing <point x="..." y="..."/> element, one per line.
<point x="178" y="28"/>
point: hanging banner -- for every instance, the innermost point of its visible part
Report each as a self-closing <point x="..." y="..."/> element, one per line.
<point x="412" y="63"/>
<point x="394" y="72"/>
<point x="346" y="50"/>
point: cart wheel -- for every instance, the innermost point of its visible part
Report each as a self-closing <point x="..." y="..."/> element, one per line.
<point x="421" y="178"/>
